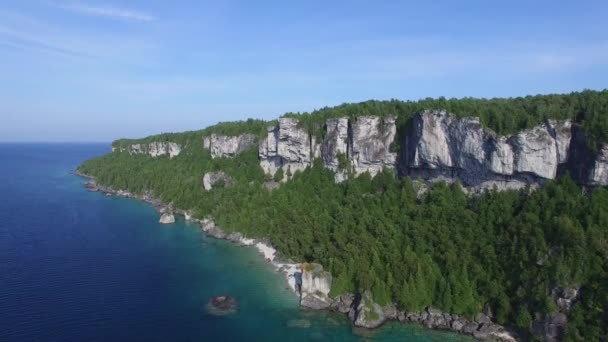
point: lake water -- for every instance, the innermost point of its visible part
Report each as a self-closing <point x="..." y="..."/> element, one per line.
<point x="80" y="266"/>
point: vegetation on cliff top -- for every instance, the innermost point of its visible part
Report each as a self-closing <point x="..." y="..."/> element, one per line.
<point x="503" y="115"/>
<point x="195" y="138"/>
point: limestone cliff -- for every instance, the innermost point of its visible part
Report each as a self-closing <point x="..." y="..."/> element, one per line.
<point x="599" y="172"/>
<point x="441" y="146"/>
<point x="223" y="146"/>
<point x="350" y="146"/>
<point x="372" y="137"/>
<point x="435" y="146"/>
<point x="286" y="146"/>
<point x="153" y="149"/>
<point x="316" y="284"/>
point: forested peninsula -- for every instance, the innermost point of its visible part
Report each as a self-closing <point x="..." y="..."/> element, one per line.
<point x="462" y="206"/>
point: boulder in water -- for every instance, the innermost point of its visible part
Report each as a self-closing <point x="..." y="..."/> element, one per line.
<point x="167" y="218"/>
<point x="222" y="306"/>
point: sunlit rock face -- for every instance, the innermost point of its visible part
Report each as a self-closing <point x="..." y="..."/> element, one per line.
<point x="286" y="146"/>
<point x="437" y="146"/>
<point x="442" y="146"/>
<point x="599" y="171"/>
<point x="223" y="146"/>
<point x="316" y="284"/>
<point x="153" y="149"/>
<point x="361" y="145"/>
<point x="372" y="137"/>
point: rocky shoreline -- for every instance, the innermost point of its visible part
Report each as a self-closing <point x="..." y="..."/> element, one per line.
<point x="360" y="309"/>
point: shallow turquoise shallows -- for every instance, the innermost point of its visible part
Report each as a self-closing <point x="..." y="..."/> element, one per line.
<point x="80" y="266"/>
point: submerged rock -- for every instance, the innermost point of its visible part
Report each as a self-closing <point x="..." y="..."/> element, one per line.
<point x="222" y="306"/>
<point x="298" y="323"/>
<point x="91" y="186"/>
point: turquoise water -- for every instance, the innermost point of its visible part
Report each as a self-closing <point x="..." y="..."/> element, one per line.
<point x="81" y="266"/>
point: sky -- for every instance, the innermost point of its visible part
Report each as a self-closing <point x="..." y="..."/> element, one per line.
<point x="100" y="70"/>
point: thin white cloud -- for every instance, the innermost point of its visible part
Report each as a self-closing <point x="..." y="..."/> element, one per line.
<point x="38" y="40"/>
<point x="106" y="11"/>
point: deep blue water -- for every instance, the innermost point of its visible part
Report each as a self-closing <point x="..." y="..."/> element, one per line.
<point x="80" y="266"/>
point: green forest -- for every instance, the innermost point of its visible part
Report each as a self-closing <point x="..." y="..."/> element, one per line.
<point x="444" y="248"/>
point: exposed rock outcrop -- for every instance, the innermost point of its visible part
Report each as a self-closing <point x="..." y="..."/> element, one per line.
<point x="481" y="327"/>
<point x="372" y="137"/>
<point x="153" y="149"/>
<point x="442" y="146"/>
<point x="287" y="147"/>
<point x="209" y="227"/>
<point x="599" y="172"/>
<point x="343" y="303"/>
<point x="365" y="313"/>
<point x="552" y="327"/>
<point x="316" y="284"/>
<point x="223" y="146"/>
<point x="167" y="218"/>
<point x="357" y="146"/>
<point x="335" y="147"/>
<point x="213" y="179"/>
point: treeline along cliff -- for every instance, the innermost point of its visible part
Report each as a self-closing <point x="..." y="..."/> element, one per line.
<point x="463" y="205"/>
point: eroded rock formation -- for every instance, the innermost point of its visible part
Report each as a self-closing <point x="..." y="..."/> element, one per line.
<point x="287" y="146"/>
<point x="167" y="218"/>
<point x="316" y="284"/>
<point x="153" y="149"/>
<point x="442" y="146"/>
<point x="223" y="146"/>
<point x="213" y="179"/>
<point x="599" y="172"/>
<point x="350" y="146"/>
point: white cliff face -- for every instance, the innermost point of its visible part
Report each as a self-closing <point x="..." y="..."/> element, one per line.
<point x="153" y="149"/>
<point x="336" y="146"/>
<point x="501" y="157"/>
<point x="461" y="148"/>
<point x="316" y="280"/>
<point x="440" y="146"/>
<point x="363" y="144"/>
<point x="222" y="146"/>
<point x="286" y="147"/>
<point x="599" y="172"/>
<point x="468" y="145"/>
<point x="167" y="218"/>
<point x="156" y="149"/>
<point x="536" y="152"/>
<point x="316" y="284"/>
<point x="336" y="142"/>
<point x="372" y="137"/>
<point x="432" y="149"/>
<point x="561" y="131"/>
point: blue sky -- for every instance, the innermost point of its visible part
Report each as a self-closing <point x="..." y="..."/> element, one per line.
<point x="100" y="70"/>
